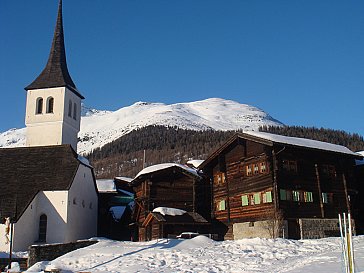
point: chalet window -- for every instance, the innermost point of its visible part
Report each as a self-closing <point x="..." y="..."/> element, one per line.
<point x="42" y="235"/>
<point x="267" y="197"/>
<point x="263" y="167"/>
<point x="257" y="198"/>
<point x="249" y="170"/>
<point x="327" y="198"/>
<point x="245" y="200"/>
<point x="256" y="168"/>
<point x="70" y="108"/>
<point x="307" y="195"/>
<point x="219" y="178"/>
<point x="289" y="165"/>
<point x="39" y="106"/>
<point x="296" y="196"/>
<point x="221" y="205"/>
<point x="50" y="105"/>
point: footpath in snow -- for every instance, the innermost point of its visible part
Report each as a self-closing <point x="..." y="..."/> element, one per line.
<point x="201" y="254"/>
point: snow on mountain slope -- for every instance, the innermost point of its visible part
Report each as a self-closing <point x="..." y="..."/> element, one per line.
<point x="101" y="127"/>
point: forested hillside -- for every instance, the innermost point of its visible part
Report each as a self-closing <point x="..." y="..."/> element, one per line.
<point x="124" y="156"/>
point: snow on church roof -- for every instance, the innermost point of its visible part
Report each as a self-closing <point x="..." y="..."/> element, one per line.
<point x="163" y="166"/>
<point x="302" y="142"/>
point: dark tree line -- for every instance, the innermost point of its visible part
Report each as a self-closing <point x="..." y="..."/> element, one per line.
<point x="124" y="156"/>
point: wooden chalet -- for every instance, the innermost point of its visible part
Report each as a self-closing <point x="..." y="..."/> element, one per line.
<point x="157" y="225"/>
<point x="359" y="174"/>
<point x="168" y="185"/>
<point x="267" y="185"/>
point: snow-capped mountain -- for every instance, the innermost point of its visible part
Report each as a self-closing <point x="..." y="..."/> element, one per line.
<point x="101" y="127"/>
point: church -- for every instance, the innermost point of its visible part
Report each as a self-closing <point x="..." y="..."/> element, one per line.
<point x="48" y="192"/>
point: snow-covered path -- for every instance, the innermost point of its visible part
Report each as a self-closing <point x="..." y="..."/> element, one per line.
<point x="204" y="255"/>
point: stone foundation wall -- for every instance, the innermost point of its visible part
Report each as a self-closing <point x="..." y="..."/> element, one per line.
<point x="320" y="228"/>
<point x="50" y="252"/>
<point x="261" y="229"/>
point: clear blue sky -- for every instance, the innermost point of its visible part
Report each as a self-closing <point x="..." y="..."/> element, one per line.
<point x="301" y="61"/>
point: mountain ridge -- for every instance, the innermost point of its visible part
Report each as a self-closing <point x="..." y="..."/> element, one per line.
<point x="100" y="127"/>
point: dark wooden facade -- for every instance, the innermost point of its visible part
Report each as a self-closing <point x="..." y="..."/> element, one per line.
<point x="173" y="187"/>
<point x="256" y="179"/>
<point x="157" y="226"/>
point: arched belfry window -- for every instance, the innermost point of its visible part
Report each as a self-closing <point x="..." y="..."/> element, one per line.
<point x="39" y="106"/>
<point x="70" y="108"/>
<point x="42" y="228"/>
<point x="50" y="105"/>
<point x="74" y="111"/>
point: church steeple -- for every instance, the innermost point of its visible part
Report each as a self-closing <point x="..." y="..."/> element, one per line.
<point x="55" y="73"/>
<point x="53" y="108"/>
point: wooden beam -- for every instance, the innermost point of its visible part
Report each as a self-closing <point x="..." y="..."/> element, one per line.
<point x="319" y="191"/>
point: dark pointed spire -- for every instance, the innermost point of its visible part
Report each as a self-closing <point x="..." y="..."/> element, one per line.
<point x="55" y="74"/>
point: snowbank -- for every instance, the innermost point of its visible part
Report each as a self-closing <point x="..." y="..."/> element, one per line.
<point x="203" y="255"/>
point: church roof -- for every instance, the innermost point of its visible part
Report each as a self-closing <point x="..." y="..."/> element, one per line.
<point x="26" y="171"/>
<point x="55" y="73"/>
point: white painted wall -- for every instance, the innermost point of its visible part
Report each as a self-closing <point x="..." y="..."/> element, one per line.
<point x="66" y="221"/>
<point x="82" y="216"/>
<point x="52" y="128"/>
<point x="51" y="203"/>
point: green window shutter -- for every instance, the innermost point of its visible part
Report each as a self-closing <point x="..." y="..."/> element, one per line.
<point x="283" y="194"/>
<point x="256" y="198"/>
<point x="244" y="200"/>
<point x="296" y="196"/>
<point x="309" y="196"/>
<point x="222" y="205"/>
<point x="269" y="196"/>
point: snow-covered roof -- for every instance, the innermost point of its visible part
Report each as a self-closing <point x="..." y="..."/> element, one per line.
<point x="105" y="185"/>
<point x="158" y="167"/>
<point x="195" y="162"/>
<point x="123" y="178"/>
<point x="117" y="212"/>
<point x="302" y="142"/>
<point x="169" y="211"/>
<point x="360" y="162"/>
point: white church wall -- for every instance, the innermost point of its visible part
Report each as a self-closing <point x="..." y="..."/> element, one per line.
<point x="54" y="205"/>
<point x="26" y="230"/>
<point x="25" y="226"/>
<point x="82" y="208"/>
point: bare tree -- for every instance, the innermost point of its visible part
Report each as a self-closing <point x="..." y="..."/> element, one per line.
<point x="274" y="223"/>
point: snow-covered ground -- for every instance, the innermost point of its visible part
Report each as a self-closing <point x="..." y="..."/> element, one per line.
<point x="99" y="127"/>
<point x="201" y="254"/>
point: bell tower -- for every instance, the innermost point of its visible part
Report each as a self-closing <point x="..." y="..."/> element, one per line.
<point x="53" y="106"/>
